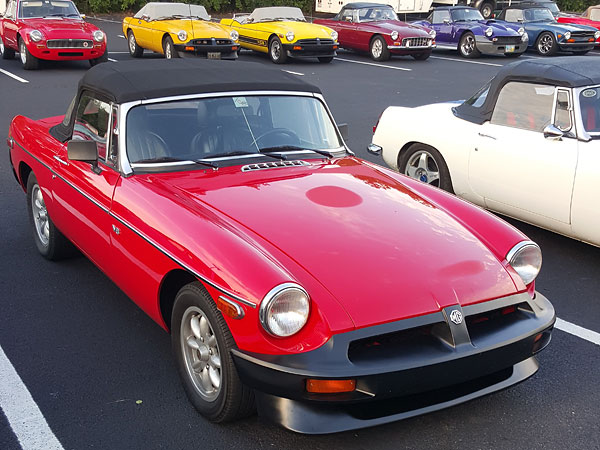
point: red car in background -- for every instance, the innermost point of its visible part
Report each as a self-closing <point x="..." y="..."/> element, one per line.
<point x="591" y="17"/>
<point x="51" y="30"/>
<point x="375" y="28"/>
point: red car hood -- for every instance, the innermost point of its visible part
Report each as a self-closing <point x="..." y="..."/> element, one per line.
<point x="383" y="252"/>
<point x="400" y="27"/>
<point x="62" y="28"/>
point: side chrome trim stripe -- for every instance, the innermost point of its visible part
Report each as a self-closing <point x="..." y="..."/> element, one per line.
<point x="144" y="237"/>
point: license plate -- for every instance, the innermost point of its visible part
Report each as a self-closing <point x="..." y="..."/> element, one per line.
<point x="213" y="55"/>
<point x="509" y="48"/>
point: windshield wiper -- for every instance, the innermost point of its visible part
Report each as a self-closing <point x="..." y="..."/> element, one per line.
<point x="283" y="148"/>
<point x="54" y="15"/>
<point x="243" y="153"/>
<point x="171" y="159"/>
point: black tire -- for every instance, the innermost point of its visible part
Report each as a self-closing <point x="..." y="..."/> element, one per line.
<point x="325" y="59"/>
<point x="421" y="56"/>
<point x="29" y="61"/>
<point x="378" y="49"/>
<point x="7" y="53"/>
<point x="233" y="400"/>
<point x="56" y="246"/>
<point x="134" y="49"/>
<point x="276" y="51"/>
<point x="487" y="10"/>
<point x="546" y="44"/>
<point x="414" y="152"/>
<point x="100" y="59"/>
<point x="467" y="46"/>
<point x="169" y="49"/>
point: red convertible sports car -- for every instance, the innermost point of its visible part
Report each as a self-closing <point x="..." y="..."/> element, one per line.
<point x="375" y="28"/>
<point x="334" y="292"/>
<point x="590" y="17"/>
<point x="51" y="30"/>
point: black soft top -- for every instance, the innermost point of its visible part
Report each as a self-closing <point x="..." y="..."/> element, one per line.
<point x="566" y="71"/>
<point x="141" y="80"/>
<point x="361" y="5"/>
<point x="528" y="5"/>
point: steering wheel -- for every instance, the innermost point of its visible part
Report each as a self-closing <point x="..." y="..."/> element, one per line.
<point x="293" y="137"/>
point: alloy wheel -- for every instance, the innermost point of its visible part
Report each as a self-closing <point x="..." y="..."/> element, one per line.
<point x="1" y="46"/>
<point x="422" y="166"/>
<point x="275" y="50"/>
<point x="40" y="215"/>
<point x="132" y="43"/>
<point x="545" y="44"/>
<point x="23" y="52"/>
<point x="468" y="45"/>
<point x="377" y="48"/>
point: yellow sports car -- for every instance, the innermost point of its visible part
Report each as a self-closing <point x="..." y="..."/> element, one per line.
<point x="178" y="29"/>
<point x="283" y="32"/>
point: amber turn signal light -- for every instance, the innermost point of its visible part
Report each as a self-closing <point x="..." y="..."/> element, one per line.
<point x="189" y="48"/>
<point x="330" y="386"/>
<point x="229" y="308"/>
<point x="297" y="47"/>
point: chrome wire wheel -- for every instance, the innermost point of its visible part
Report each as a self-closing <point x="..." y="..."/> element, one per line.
<point x="377" y="48"/>
<point x="201" y="353"/>
<point x="422" y="166"/>
<point x="40" y="215"/>
<point x="545" y="44"/>
<point x="23" y="52"/>
<point x="468" y="45"/>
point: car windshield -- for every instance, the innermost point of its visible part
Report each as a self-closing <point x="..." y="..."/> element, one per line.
<point x="553" y="7"/>
<point x="589" y="102"/>
<point x="276" y="13"/>
<point x="47" y="9"/>
<point x="466" y="15"/>
<point x="537" y="14"/>
<point x="377" y="13"/>
<point x="172" y="11"/>
<point x="218" y="130"/>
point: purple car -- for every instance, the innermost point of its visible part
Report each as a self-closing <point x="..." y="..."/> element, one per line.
<point x="464" y="29"/>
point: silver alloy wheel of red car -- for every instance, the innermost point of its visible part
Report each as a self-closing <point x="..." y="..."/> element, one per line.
<point x="1" y="46"/>
<point x="201" y="353"/>
<point x="23" y="52"/>
<point x="40" y="215"/>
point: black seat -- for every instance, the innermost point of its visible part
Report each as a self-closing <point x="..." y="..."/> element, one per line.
<point x="208" y="141"/>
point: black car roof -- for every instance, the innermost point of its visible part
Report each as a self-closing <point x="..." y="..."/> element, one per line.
<point x="360" y="5"/>
<point x="566" y="71"/>
<point x="140" y="80"/>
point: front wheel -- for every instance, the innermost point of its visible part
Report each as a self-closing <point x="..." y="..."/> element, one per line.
<point x="276" y="51"/>
<point x="467" y="46"/>
<point x="424" y="163"/>
<point x="134" y="49"/>
<point x="546" y="44"/>
<point x="7" y="53"/>
<point x="169" y="48"/>
<point x="422" y="56"/>
<point x="201" y="343"/>
<point x="379" y="50"/>
<point x="325" y="59"/>
<point x="29" y="61"/>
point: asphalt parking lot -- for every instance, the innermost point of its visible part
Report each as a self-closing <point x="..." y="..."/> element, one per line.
<point x="101" y="373"/>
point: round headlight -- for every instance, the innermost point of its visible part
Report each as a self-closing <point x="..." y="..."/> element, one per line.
<point x="98" y="36"/>
<point x="394" y="35"/>
<point x="284" y="310"/>
<point x="290" y="36"/>
<point x="489" y="31"/>
<point x="568" y="35"/>
<point x="521" y="31"/>
<point x="234" y="35"/>
<point x="432" y="33"/>
<point x="526" y="259"/>
<point x="334" y="35"/>
<point x="597" y="34"/>
<point x="36" y="35"/>
<point x="182" y="35"/>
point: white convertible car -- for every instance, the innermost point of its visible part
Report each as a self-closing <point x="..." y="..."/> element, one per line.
<point x="526" y="145"/>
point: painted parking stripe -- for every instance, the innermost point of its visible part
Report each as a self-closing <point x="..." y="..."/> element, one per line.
<point x="121" y="36"/>
<point x="467" y="61"/>
<point x="578" y="331"/>
<point x="373" y="64"/>
<point x="12" y="75"/>
<point x="293" y="73"/>
<point x="112" y="60"/>
<point x="118" y="53"/>
<point x="25" y="418"/>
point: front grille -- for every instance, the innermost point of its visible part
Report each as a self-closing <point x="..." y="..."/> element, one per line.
<point x="212" y="41"/>
<point x="273" y="165"/>
<point x="314" y="42"/>
<point x="70" y="43"/>
<point x="490" y="322"/>
<point x="416" y="42"/>
<point x="582" y="35"/>
<point x="508" y="40"/>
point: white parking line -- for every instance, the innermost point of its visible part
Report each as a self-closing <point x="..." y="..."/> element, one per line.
<point x="12" y="75"/>
<point x="118" y="53"/>
<point x="112" y="60"/>
<point x="578" y="331"/>
<point x="373" y="64"/>
<point x="121" y="36"/>
<point x="293" y="73"/>
<point x="23" y="414"/>
<point x="467" y="61"/>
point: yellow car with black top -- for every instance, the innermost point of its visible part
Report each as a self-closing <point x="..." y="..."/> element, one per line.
<point x="178" y="29"/>
<point x="283" y="32"/>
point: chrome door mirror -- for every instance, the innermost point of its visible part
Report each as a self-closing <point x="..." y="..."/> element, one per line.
<point x="552" y="133"/>
<point x="145" y="17"/>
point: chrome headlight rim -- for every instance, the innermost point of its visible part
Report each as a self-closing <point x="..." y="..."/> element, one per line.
<point x="518" y="250"/>
<point x="489" y="32"/>
<point x="269" y="300"/>
<point x="394" y="35"/>
<point x="597" y="34"/>
<point x="182" y="35"/>
<point x="334" y="35"/>
<point x="432" y="33"/>
<point x="233" y="34"/>
<point x="98" y="36"/>
<point x="521" y="31"/>
<point x="290" y="36"/>
<point x="36" y="35"/>
<point x="567" y="35"/>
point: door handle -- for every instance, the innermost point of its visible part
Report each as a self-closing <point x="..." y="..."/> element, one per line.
<point x="486" y="136"/>
<point x="60" y="160"/>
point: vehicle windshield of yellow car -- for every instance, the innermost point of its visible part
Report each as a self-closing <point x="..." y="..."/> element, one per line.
<point x="171" y="11"/>
<point x="276" y="13"/>
<point x="47" y="9"/>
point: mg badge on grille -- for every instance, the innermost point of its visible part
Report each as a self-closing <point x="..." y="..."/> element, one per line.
<point x="85" y="44"/>
<point x="456" y="317"/>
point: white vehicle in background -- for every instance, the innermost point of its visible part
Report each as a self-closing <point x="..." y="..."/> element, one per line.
<point x="486" y="7"/>
<point x="526" y="145"/>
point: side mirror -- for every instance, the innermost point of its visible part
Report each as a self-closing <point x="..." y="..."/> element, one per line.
<point x="552" y="133"/>
<point x="83" y="16"/>
<point x="343" y="127"/>
<point x="145" y="17"/>
<point x="446" y="21"/>
<point x="86" y="151"/>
